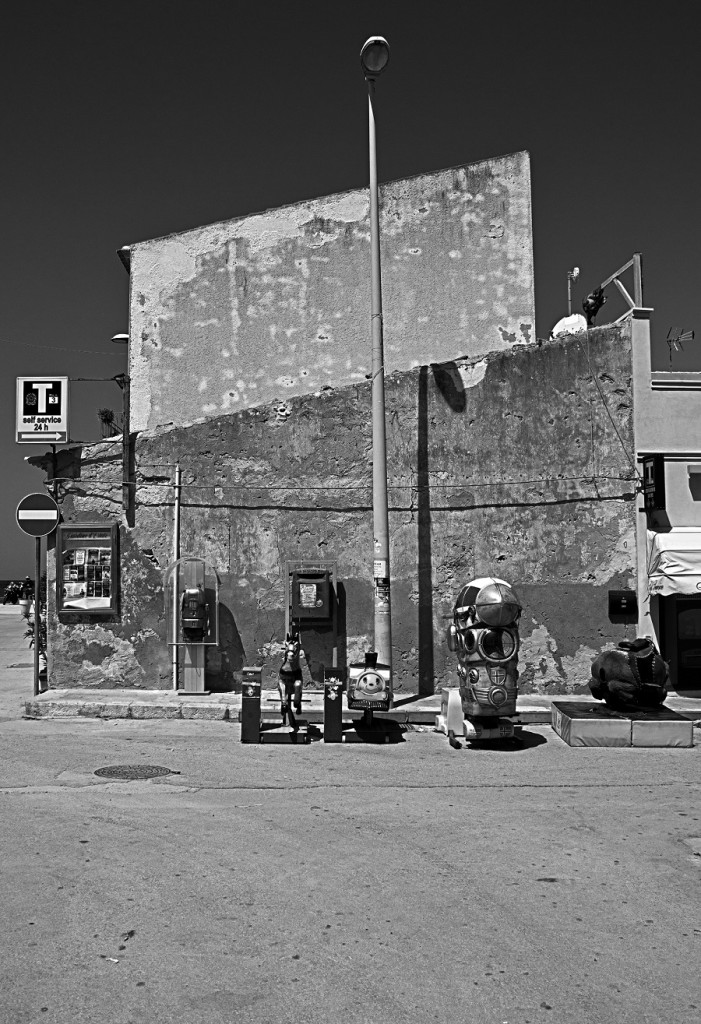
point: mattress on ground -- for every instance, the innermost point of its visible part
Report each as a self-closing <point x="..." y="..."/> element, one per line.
<point x="585" y="724"/>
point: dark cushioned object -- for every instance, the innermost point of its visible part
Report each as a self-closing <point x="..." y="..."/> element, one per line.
<point x="634" y="676"/>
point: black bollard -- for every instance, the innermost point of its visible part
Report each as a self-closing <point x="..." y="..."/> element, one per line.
<point x="250" y="705"/>
<point x="334" y="686"/>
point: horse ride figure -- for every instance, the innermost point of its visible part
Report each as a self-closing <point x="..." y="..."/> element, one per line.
<point x="290" y="679"/>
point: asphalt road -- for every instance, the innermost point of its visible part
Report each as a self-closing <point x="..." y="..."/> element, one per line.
<point x="366" y="883"/>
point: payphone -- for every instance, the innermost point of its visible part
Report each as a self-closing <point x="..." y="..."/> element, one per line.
<point x="311" y="594"/>
<point x="194" y="614"/>
<point x="312" y="602"/>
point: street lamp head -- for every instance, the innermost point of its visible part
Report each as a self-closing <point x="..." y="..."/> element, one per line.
<point x="120" y="339"/>
<point x="374" y="57"/>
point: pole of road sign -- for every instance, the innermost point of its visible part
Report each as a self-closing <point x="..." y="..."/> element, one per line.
<point x="37" y="515"/>
<point x="37" y="613"/>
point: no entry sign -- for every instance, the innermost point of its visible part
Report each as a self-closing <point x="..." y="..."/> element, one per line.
<point x="37" y="515"/>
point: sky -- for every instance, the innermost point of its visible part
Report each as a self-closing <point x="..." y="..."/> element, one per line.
<point x="129" y="121"/>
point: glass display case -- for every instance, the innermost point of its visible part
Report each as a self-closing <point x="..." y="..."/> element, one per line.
<point x="87" y="576"/>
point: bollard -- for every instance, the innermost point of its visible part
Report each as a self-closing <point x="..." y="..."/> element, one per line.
<point x="250" y="704"/>
<point x="334" y="686"/>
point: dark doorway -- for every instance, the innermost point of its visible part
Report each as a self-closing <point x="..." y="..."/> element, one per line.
<point x="687" y="614"/>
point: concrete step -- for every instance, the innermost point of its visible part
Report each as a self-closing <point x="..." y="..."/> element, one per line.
<point x="531" y="709"/>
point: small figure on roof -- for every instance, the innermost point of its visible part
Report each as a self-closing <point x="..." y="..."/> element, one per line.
<point x="592" y="304"/>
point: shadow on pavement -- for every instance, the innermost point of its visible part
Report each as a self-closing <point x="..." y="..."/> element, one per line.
<point x="521" y="740"/>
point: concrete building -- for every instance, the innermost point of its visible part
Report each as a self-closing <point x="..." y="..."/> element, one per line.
<point x="667" y="423"/>
<point x="249" y="363"/>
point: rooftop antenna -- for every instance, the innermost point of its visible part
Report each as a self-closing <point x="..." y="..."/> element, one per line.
<point x="572" y="275"/>
<point x="676" y="336"/>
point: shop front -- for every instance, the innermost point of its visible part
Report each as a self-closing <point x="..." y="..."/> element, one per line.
<point x="674" y="573"/>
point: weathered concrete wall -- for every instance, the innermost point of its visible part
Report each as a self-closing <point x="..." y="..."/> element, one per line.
<point x="508" y="464"/>
<point x="247" y="311"/>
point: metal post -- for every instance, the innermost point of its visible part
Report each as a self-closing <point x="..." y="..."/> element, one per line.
<point x="638" y="279"/>
<point x="176" y="581"/>
<point x="37" y="614"/>
<point x="126" y="491"/>
<point x="381" y="567"/>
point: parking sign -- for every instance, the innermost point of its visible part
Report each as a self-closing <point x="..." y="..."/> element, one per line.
<point x="42" y="410"/>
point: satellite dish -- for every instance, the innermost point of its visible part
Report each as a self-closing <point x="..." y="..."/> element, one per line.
<point x="574" y="324"/>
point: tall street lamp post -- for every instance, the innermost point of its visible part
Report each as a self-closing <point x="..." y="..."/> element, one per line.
<point x="124" y="381"/>
<point x="374" y="58"/>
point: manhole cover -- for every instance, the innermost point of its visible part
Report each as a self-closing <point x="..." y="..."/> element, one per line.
<point x="132" y="771"/>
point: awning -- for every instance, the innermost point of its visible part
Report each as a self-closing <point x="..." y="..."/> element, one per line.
<point x="674" y="561"/>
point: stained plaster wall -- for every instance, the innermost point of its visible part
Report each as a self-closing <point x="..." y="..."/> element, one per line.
<point x="509" y="464"/>
<point x="246" y="311"/>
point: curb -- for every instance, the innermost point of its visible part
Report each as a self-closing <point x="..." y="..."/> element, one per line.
<point x="227" y="708"/>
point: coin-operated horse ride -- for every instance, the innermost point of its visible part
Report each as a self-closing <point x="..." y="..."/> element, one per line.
<point x="290" y="680"/>
<point x="484" y="634"/>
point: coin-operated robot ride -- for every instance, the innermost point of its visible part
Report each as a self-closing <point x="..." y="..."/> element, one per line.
<point x="484" y="634"/>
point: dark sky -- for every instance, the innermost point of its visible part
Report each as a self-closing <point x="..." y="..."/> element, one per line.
<point x="123" y="122"/>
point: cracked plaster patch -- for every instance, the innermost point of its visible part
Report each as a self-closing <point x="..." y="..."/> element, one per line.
<point x="472" y="374"/>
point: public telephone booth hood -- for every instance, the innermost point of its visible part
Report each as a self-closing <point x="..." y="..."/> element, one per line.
<point x="488" y="600"/>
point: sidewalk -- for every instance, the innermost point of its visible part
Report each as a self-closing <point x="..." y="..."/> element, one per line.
<point x="217" y="707"/>
<point x="16" y="663"/>
<point x="17" y="700"/>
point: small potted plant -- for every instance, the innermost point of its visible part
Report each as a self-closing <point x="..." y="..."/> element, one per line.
<point x="27" y="595"/>
<point x="29" y="632"/>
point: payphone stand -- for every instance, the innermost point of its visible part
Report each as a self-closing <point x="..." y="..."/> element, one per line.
<point x="311" y="612"/>
<point x="192" y="613"/>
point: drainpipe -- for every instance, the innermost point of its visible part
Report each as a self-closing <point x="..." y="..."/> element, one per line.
<point x="176" y="587"/>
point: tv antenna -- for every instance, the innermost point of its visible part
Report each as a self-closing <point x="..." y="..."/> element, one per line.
<point x="676" y="336"/>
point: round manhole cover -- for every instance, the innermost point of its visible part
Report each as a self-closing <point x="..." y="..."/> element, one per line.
<point x="132" y="771"/>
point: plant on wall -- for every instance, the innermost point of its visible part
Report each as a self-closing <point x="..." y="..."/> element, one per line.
<point x="29" y="632"/>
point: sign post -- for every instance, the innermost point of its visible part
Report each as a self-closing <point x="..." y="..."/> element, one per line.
<point x="37" y="515"/>
<point x="42" y="410"/>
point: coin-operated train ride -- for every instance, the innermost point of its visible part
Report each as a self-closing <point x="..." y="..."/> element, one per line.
<point x="484" y="634"/>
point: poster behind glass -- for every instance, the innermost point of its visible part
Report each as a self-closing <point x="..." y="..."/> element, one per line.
<point x="86" y="569"/>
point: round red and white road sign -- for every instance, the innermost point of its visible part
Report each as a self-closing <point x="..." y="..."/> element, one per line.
<point x="37" y="515"/>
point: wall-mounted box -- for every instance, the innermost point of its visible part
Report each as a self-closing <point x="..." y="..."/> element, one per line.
<point x="311" y="594"/>
<point x="623" y="606"/>
<point x="87" y="572"/>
